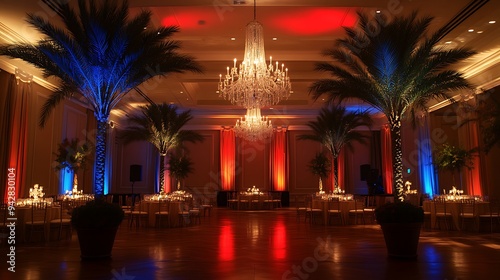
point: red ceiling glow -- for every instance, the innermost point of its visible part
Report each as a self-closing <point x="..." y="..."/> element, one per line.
<point x="192" y="19"/>
<point x="315" y="21"/>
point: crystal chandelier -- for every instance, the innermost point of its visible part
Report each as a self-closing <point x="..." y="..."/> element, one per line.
<point x="253" y="83"/>
<point x="253" y="127"/>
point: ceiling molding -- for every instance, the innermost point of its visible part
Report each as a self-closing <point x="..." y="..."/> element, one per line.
<point x="10" y="36"/>
<point x="42" y="82"/>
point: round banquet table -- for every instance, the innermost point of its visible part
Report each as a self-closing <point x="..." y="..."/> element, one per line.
<point x="454" y="208"/>
<point x="23" y="215"/>
<point x="345" y="206"/>
<point x="153" y="206"/>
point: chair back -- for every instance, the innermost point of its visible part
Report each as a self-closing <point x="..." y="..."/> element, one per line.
<point x="468" y="208"/>
<point x="359" y="204"/>
<point x="440" y="206"/>
<point x="38" y="212"/>
<point x="334" y="204"/>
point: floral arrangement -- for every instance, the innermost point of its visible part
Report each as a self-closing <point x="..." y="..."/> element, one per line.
<point x="320" y="165"/>
<point x="452" y="158"/>
<point x="71" y="154"/>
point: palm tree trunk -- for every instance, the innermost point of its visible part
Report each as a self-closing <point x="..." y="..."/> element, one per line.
<point x="397" y="160"/>
<point x="336" y="172"/>
<point x="162" y="173"/>
<point x="100" y="157"/>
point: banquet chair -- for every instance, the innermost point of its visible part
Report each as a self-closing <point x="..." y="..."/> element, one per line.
<point x="267" y="203"/>
<point x="358" y="211"/>
<point x="276" y="196"/>
<point x="162" y="215"/>
<point x="301" y="206"/>
<point x="206" y="204"/>
<point x="254" y="202"/>
<point x="427" y="214"/>
<point x="441" y="214"/>
<point x="493" y="215"/>
<point x="38" y="220"/>
<point x="232" y="200"/>
<point x="243" y="203"/>
<point x="194" y="211"/>
<point x="313" y="214"/>
<point x="184" y="217"/>
<point x="468" y="212"/>
<point x="369" y="209"/>
<point x="64" y="220"/>
<point x="334" y="211"/>
<point x="137" y="215"/>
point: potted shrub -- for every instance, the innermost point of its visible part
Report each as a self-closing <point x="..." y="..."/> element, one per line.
<point x="401" y="223"/>
<point x="96" y="224"/>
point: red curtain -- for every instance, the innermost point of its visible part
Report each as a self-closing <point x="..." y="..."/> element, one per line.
<point x="278" y="160"/>
<point x="341" y="161"/>
<point x="227" y="159"/>
<point x="17" y="102"/>
<point x="386" y="158"/>
<point x="472" y="176"/>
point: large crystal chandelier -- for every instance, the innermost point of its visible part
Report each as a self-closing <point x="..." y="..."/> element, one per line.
<point x="253" y="127"/>
<point x="253" y="83"/>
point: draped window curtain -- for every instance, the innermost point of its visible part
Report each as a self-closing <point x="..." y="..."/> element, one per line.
<point x="386" y="158"/>
<point x="227" y="159"/>
<point x="15" y="101"/>
<point x="278" y="160"/>
<point x="427" y="172"/>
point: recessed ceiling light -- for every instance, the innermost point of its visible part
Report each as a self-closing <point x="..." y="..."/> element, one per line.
<point x="233" y="39"/>
<point x="492" y="21"/>
<point x="448" y="42"/>
<point x="378" y="11"/>
<point x="471" y="30"/>
<point x="274" y="39"/>
<point x="480" y="31"/>
<point x="181" y="92"/>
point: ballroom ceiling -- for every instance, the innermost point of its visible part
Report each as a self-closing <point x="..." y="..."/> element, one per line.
<point x="296" y="32"/>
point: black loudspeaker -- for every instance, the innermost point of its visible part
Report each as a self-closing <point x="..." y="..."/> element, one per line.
<point x="135" y="173"/>
<point x="364" y="171"/>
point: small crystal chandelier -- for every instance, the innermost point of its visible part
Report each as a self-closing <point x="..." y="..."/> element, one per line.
<point x="253" y="127"/>
<point x="254" y="84"/>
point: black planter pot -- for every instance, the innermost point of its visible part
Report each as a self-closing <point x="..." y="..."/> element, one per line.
<point x="96" y="244"/>
<point x="401" y="239"/>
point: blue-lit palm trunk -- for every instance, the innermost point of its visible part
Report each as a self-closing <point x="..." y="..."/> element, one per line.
<point x="397" y="158"/>
<point x="100" y="158"/>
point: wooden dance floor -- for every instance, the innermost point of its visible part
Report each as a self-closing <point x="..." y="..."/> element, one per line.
<point x="272" y="244"/>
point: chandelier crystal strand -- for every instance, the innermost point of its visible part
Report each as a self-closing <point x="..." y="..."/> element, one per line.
<point x="253" y="127"/>
<point x="254" y="83"/>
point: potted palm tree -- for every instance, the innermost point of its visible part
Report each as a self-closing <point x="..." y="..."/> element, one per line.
<point x="394" y="66"/>
<point x="160" y="125"/>
<point x="96" y="224"/>
<point x="335" y="128"/>
<point x="401" y="223"/>
<point x="100" y="54"/>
